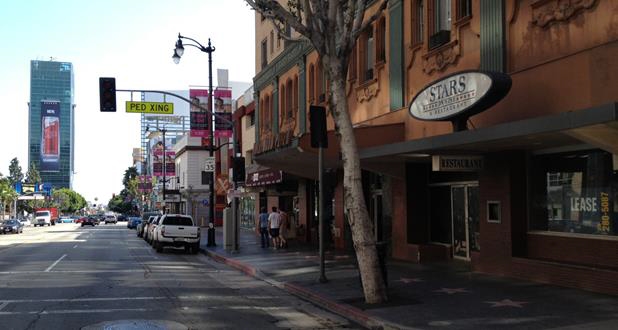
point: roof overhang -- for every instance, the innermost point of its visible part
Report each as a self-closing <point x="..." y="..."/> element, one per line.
<point x="300" y="159"/>
<point x="595" y="127"/>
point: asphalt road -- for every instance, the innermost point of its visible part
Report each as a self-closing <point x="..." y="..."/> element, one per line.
<point x="68" y="277"/>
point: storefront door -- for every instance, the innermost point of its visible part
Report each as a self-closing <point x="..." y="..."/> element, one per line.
<point x="465" y="219"/>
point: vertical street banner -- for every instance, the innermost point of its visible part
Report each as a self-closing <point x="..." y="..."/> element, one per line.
<point x="50" y="136"/>
<point x="144" y="184"/>
<point x="199" y="119"/>
<point x="223" y="109"/>
<point x="157" y="163"/>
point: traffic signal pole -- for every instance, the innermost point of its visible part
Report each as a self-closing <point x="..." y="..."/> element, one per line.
<point x="211" y="149"/>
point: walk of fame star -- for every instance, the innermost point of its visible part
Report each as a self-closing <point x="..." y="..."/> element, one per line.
<point x="451" y="291"/>
<point x="409" y="280"/>
<point x="507" y="303"/>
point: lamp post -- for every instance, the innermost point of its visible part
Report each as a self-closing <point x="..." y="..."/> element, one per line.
<point x="163" y="130"/>
<point x="178" y="52"/>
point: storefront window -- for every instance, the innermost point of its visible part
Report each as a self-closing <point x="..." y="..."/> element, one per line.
<point x="576" y="193"/>
<point x="247" y="212"/>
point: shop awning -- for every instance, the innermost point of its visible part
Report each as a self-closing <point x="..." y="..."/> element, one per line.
<point x="300" y="159"/>
<point x="593" y="128"/>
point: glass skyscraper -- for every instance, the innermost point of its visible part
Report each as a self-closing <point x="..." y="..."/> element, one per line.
<point x="51" y="129"/>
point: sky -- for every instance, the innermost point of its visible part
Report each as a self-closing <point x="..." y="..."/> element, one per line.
<point x="132" y="41"/>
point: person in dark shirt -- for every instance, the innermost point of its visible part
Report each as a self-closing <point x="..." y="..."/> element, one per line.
<point x="263" y="219"/>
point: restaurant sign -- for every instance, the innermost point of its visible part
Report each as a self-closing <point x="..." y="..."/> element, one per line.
<point x="456" y="163"/>
<point x="460" y="95"/>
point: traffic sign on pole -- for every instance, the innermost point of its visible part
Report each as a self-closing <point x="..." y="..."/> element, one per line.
<point x="209" y="165"/>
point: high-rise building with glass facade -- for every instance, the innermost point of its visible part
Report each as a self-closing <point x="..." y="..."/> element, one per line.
<point x="51" y="128"/>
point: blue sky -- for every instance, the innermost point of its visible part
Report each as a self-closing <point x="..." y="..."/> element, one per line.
<point x="130" y="40"/>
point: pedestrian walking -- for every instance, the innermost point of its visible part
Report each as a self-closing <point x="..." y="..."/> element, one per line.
<point x="263" y="219"/>
<point x="283" y="229"/>
<point x="274" y="222"/>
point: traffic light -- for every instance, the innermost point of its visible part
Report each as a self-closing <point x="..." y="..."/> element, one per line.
<point x="239" y="169"/>
<point x="317" y="127"/>
<point x="107" y="94"/>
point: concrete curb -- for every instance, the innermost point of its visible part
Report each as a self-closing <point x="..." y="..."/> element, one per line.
<point x="352" y="313"/>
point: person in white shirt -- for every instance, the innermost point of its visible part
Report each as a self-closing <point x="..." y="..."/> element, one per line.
<point x="274" y="221"/>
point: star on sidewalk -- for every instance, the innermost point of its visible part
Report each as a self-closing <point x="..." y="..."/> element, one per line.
<point x="409" y="280"/>
<point x="506" y="303"/>
<point x="451" y="291"/>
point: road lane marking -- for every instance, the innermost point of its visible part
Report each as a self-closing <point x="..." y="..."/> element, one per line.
<point x="21" y="301"/>
<point x="82" y="311"/>
<point x="75" y="246"/>
<point x="55" y="263"/>
<point x="102" y="299"/>
<point x="2" y="305"/>
<point x="141" y="270"/>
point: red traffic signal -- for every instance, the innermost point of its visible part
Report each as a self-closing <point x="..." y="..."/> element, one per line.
<point x="107" y="94"/>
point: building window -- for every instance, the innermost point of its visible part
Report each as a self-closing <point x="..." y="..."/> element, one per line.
<point x="321" y="84"/>
<point x="272" y="42"/>
<point x="418" y="23"/>
<point x="464" y="9"/>
<point x="367" y="55"/>
<point x="250" y="120"/>
<point x="311" y="83"/>
<point x="576" y="193"/>
<point x="264" y="54"/>
<point x="288" y="99"/>
<point x="352" y="64"/>
<point x="441" y="25"/>
<point x="295" y="95"/>
<point x="381" y="41"/>
<point x="282" y="103"/>
<point x="205" y="178"/>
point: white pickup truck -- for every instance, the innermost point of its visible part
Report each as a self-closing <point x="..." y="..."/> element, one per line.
<point x="177" y="230"/>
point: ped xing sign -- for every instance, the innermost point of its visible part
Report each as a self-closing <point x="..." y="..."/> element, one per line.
<point x="161" y="108"/>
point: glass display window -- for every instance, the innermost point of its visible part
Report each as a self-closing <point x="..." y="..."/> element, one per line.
<point x="575" y="193"/>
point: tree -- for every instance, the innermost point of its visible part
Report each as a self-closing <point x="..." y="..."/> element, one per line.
<point x="332" y="27"/>
<point x="7" y="194"/>
<point x="15" y="172"/>
<point x="33" y="175"/>
<point x="68" y="201"/>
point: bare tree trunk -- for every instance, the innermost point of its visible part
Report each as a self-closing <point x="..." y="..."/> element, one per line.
<point x="358" y="217"/>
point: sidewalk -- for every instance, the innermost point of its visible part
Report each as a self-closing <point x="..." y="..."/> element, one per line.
<point x="421" y="296"/>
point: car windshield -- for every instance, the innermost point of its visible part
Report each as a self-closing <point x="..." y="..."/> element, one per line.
<point x="42" y="214"/>
<point x="177" y="221"/>
<point x="10" y="222"/>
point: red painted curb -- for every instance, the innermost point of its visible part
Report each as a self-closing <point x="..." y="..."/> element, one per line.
<point x="251" y="271"/>
<point x="357" y="315"/>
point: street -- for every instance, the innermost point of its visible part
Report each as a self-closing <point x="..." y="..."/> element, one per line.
<point x="69" y="277"/>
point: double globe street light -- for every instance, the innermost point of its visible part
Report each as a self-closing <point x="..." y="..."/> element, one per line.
<point x="179" y="50"/>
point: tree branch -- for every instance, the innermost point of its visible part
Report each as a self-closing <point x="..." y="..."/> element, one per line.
<point x="272" y="9"/>
<point x="371" y="19"/>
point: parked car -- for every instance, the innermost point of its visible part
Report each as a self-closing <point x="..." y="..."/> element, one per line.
<point x="25" y="222"/>
<point x="66" y="220"/>
<point x="145" y="218"/>
<point x="11" y="226"/>
<point x="176" y="230"/>
<point x="133" y="222"/>
<point x="152" y="224"/>
<point x="122" y="217"/>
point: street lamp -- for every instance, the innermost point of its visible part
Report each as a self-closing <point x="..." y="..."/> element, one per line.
<point x="179" y="50"/>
